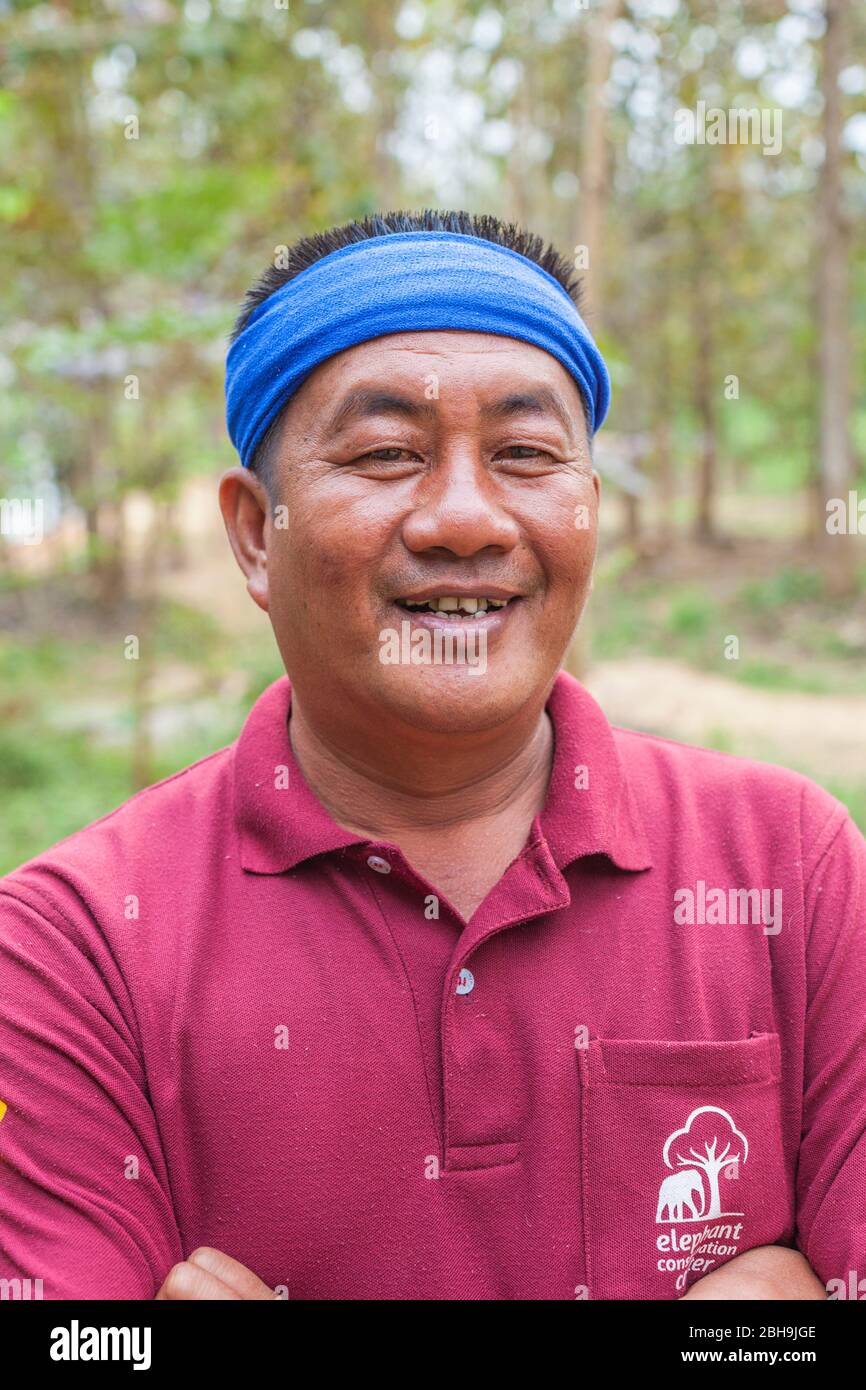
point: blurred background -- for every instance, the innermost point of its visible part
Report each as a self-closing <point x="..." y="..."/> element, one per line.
<point x="155" y="158"/>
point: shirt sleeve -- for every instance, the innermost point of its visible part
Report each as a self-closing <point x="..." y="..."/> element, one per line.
<point x="831" y="1176"/>
<point x="85" y="1203"/>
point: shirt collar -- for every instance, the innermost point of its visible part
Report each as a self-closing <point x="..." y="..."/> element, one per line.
<point x="279" y="819"/>
<point x="590" y="808"/>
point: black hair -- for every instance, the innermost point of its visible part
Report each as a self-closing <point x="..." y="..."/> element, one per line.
<point x="308" y="250"/>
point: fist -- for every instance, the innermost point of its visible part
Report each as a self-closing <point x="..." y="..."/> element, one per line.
<point x="209" y="1274"/>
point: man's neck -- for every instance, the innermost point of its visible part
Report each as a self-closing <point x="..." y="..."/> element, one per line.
<point x="451" y="782"/>
<point x="460" y="810"/>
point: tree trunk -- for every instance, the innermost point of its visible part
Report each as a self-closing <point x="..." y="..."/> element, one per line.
<point x="593" y="194"/>
<point x="141" y="743"/>
<point x="385" y="171"/>
<point x="834" y="442"/>
<point x="704" y="386"/>
<point x="594" y="164"/>
<point x="144" y="669"/>
<point x="633" y="526"/>
<point x="661" y="401"/>
<point x="517" y="176"/>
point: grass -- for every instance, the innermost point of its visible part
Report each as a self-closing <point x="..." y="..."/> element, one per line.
<point x="67" y="716"/>
<point x="789" y="635"/>
<point x="851" y="794"/>
<point x="854" y="797"/>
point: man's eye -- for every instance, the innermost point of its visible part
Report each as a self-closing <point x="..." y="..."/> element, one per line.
<point x="386" y="455"/>
<point x="517" y="452"/>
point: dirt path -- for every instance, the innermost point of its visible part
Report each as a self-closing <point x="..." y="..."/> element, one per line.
<point x="824" y="732"/>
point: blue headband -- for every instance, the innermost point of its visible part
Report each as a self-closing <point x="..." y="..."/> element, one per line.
<point x="400" y="283"/>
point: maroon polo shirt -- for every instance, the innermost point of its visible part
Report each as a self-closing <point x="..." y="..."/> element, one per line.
<point x="227" y="1021"/>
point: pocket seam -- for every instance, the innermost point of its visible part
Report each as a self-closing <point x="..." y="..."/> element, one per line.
<point x="764" y="1048"/>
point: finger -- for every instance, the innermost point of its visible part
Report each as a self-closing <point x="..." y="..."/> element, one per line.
<point x="230" y="1272"/>
<point x="190" y="1282"/>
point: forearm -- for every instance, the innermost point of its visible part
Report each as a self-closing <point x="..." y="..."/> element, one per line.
<point x="767" y="1272"/>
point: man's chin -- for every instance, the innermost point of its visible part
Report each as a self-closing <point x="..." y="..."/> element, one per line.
<point x="453" y="700"/>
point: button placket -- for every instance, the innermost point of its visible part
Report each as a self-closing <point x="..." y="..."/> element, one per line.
<point x="465" y="982"/>
<point x="378" y="864"/>
<point x="482" y="1107"/>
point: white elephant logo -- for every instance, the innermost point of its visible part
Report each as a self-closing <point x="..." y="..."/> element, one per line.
<point x="683" y="1191"/>
<point x="677" y="1192"/>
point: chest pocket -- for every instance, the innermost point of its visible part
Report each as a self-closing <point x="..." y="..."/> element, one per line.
<point x="682" y="1160"/>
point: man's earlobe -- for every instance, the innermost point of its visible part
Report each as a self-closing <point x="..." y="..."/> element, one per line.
<point x="245" y="508"/>
<point x="257" y="587"/>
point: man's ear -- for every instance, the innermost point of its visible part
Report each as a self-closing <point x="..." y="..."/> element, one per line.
<point x="245" y="507"/>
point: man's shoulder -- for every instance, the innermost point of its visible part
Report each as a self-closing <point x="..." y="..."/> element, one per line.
<point x="728" y="792"/>
<point x="159" y="824"/>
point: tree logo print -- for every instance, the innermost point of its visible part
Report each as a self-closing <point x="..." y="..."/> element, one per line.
<point x="691" y="1191"/>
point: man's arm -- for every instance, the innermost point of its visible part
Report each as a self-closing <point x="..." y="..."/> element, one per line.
<point x="85" y="1203"/>
<point x="831" y="1171"/>
<point x="768" y="1271"/>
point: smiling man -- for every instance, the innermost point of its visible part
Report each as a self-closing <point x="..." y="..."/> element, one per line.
<point x="401" y="996"/>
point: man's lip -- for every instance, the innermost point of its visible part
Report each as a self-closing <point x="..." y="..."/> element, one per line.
<point x="488" y="619"/>
<point x="457" y="591"/>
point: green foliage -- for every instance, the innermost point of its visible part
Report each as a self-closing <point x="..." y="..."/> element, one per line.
<point x="635" y="613"/>
<point x="175" y="231"/>
<point x="853" y="796"/>
<point x="776" y="676"/>
<point x="691" y="612"/>
<point x="785" y="587"/>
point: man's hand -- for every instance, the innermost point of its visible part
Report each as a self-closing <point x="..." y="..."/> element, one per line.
<point x="769" y="1271"/>
<point x="209" y="1274"/>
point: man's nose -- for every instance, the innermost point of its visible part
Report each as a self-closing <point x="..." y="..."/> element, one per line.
<point x="460" y="509"/>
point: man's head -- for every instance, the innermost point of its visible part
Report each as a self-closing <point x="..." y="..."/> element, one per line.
<point x="420" y="465"/>
<point x="309" y="250"/>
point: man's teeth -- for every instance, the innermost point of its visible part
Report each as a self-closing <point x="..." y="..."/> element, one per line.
<point x="450" y="603"/>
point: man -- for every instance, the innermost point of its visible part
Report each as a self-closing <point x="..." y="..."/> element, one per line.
<point x="433" y="985"/>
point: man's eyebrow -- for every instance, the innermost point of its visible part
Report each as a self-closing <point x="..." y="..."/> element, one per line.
<point x="542" y="401"/>
<point x="367" y="402"/>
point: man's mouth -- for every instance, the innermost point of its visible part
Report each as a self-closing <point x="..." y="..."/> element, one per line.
<point x="461" y="606"/>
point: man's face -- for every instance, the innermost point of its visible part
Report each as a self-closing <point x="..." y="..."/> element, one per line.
<point x="421" y="467"/>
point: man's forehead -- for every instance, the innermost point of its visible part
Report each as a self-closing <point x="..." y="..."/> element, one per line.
<point x="370" y="402"/>
<point x="445" y="344"/>
<point x="496" y="370"/>
<point x="439" y="341"/>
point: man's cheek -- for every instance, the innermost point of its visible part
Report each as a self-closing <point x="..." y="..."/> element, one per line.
<point x="568" y="559"/>
<point x="314" y="562"/>
<point x="583" y="544"/>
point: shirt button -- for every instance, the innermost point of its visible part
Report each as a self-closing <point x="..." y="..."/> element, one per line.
<point x="465" y="981"/>
<point x="379" y="864"/>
